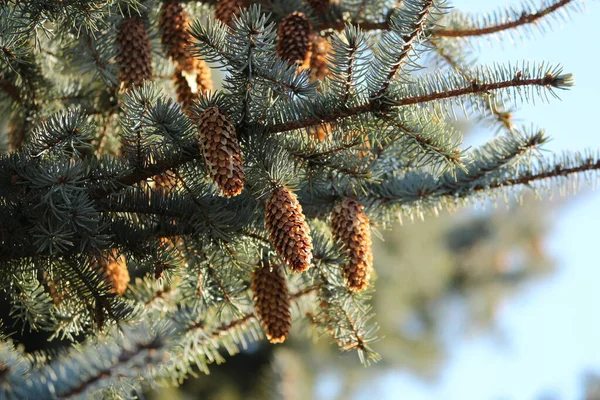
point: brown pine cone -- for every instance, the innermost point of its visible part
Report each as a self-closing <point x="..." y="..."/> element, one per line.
<point x="114" y="268"/>
<point x="219" y="144"/>
<point x="321" y="131"/>
<point x="183" y="89"/>
<point x="135" y="52"/>
<point x="271" y="302"/>
<point x="185" y="93"/>
<point x="318" y="59"/>
<point x="203" y="77"/>
<point x="288" y="230"/>
<point x="350" y="225"/>
<point x="175" y="38"/>
<point x="225" y="10"/>
<point x="164" y="182"/>
<point x="294" y="39"/>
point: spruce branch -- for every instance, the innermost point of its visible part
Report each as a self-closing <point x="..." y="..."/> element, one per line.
<point x="374" y="134"/>
<point x="560" y="168"/>
<point x="457" y="62"/>
<point x="495" y="156"/>
<point x="123" y="357"/>
<point x="425" y="193"/>
<point x="348" y="62"/>
<point x="407" y="27"/>
<point x="434" y="88"/>
<point x="461" y="27"/>
<point x="216" y="44"/>
<point x="433" y="146"/>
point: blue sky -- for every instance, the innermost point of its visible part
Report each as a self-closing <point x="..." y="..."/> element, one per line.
<point x="552" y="329"/>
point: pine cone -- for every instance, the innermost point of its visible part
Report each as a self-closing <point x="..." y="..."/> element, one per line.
<point x="114" y="270"/>
<point x="318" y="60"/>
<point x="183" y="89"/>
<point x="321" y="131"/>
<point x="164" y="182"/>
<point x="294" y="39"/>
<point x="175" y="38"/>
<point x="203" y="77"/>
<point x="350" y="225"/>
<point x="219" y="144"/>
<point x="227" y="9"/>
<point x="271" y="302"/>
<point x="135" y="52"/>
<point x="288" y="230"/>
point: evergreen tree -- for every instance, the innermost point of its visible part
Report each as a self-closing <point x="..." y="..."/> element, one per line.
<point x="149" y="223"/>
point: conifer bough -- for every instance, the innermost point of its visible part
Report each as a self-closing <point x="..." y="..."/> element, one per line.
<point x="201" y="186"/>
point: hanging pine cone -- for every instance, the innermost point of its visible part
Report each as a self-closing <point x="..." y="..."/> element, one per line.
<point x="227" y="9"/>
<point x="203" y="77"/>
<point x="272" y="302"/>
<point x="182" y="89"/>
<point x="318" y="59"/>
<point x="175" y="38"/>
<point x="294" y="39"/>
<point x="219" y="144"/>
<point x="135" y="52"/>
<point x="114" y="268"/>
<point x="350" y="225"/>
<point x="200" y="75"/>
<point x="288" y="230"/>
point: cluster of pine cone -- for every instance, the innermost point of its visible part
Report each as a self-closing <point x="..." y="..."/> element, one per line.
<point x="285" y="222"/>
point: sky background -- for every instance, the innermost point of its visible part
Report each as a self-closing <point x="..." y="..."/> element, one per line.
<point x="551" y="329"/>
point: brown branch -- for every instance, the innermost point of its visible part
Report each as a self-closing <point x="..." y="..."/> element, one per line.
<point x="557" y="172"/>
<point x="349" y="73"/>
<point x="527" y="179"/>
<point x="189" y="153"/>
<point x="159" y="294"/>
<point x="371" y="106"/>
<point x="524" y="19"/>
<point x="125" y="356"/>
